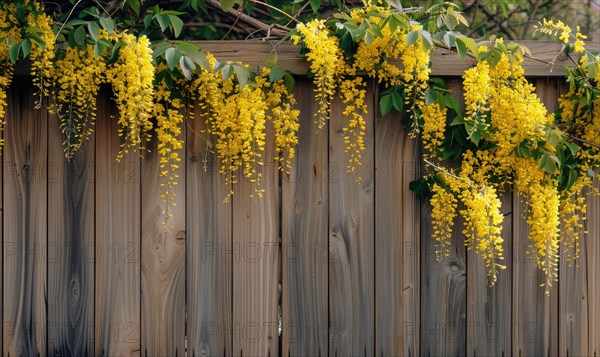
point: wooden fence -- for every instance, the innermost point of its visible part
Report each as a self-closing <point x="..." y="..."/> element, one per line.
<point x="321" y="266"/>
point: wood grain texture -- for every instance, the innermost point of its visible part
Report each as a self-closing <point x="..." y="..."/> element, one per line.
<point x="444" y="62"/>
<point x="443" y="284"/>
<point x="25" y="224"/>
<point x="163" y="260"/>
<point x="117" y="302"/>
<point x="304" y="238"/>
<point x="351" y="240"/>
<point x="208" y="249"/>
<point x="256" y="262"/>
<point x="489" y="323"/>
<point x="592" y="248"/>
<point x="71" y="253"/>
<point x="397" y="241"/>
<point x="535" y="315"/>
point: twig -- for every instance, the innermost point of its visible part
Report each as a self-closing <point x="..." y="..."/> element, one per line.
<point x="66" y="20"/>
<point x="274" y="9"/>
<point x="444" y="171"/>
<point x="249" y="20"/>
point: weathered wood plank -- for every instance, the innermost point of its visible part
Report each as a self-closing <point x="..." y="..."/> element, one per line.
<point x="592" y="245"/>
<point x="489" y="325"/>
<point x="305" y="240"/>
<point x="535" y="315"/>
<point x="117" y="240"/>
<point x="444" y="62"/>
<point x="574" y="314"/>
<point x="25" y="223"/>
<point x="396" y="240"/>
<point x="71" y="251"/>
<point x="443" y="328"/>
<point x="208" y="249"/>
<point x="256" y="262"/>
<point x="163" y="260"/>
<point x="351" y="240"/>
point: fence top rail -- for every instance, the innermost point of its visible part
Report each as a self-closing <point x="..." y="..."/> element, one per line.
<point x="444" y="62"/>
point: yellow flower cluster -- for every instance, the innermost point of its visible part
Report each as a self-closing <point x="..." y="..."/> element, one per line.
<point x="434" y="127"/>
<point x="374" y="58"/>
<point x="483" y="227"/>
<point x="132" y="79"/>
<point x="443" y="212"/>
<point x="41" y="60"/>
<point x="326" y="63"/>
<point x="76" y="80"/>
<point x="558" y="27"/>
<point x="236" y="117"/>
<point x="284" y="118"/>
<point x="353" y="93"/>
<point x="168" y="111"/>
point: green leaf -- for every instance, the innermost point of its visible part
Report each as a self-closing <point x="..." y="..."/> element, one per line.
<point x="187" y="67"/>
<point x="430" y="96"/>
<point x="458" y="120"/>
<point x="93" y="29"/>
<point x="25" y="47"/>
<point x="13" y="52"/>
<point x="172" y="56"/>
<point x="397" y="101"/>
<point x="107" y="24"/>
<point x="385" y="104"/>
<point x="242" y="75"/>
<point x="573" y="175"/>
<point x="38" y="40"/>
<point x="276" y="74"/>
<point x="228" y="4"/>
<point x="98" y="49"/>
<point x="163" y="21"/>
<point x="176" y="24"/>
<point x="461" y="48"/>
<point x="226" y="72"/>
<point x="79" y="36"/>
<point x="469" y="43"/>
<point x="200" y="59"/>
<point x="134" y="5"/>
<point x="315" y="5"/>
<point x="289" y="81"/>
<point x="412" y="37"/>
<point x="475" y="137"/>
<point x="572" y="147"/>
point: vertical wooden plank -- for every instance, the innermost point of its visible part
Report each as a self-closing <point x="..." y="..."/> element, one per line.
<point x="256" y="262"/>
<point x="25" y="223"/>
<point x="304" y="242"/>
<point x="208" y="249"/>
<point x="573" y="289"/>
<point x="351" y="240"/>
<point x="71" y="252"/>
<point x="592" y="246"/>
<point x="117" y="302"/>
<point x="163" y="260"/>
<point x="443" y="328"/>
<point x="396" y="241"/>
<point x="489" y="309"/>
<point x="535" y="315"/>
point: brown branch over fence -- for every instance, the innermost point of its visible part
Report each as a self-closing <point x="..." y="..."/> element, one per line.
<point x="320" y="266"/>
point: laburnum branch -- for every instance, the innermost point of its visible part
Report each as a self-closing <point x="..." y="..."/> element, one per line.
<point x="275" y="30"/>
